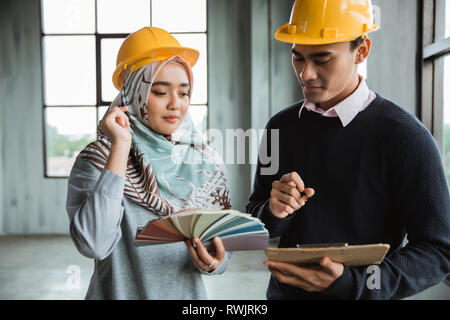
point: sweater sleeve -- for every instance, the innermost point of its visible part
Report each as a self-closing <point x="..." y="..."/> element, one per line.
<point x="258" y="204"/>
<point x="221" y="267"/>
<point x="94" y="206"/>
<point x="421" y="199"/>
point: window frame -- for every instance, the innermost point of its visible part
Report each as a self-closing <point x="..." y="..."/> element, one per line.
<point x="431" y="77"/>
<point x="432" y="71"/>
<point x="98" y="76"/>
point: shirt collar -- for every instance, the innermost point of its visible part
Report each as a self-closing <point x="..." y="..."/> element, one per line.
<point x="348" y="108"/>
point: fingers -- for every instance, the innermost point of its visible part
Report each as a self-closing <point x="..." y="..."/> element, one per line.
<point x="294" y="203"/>
<point x="202" y="252"/>
<point x="220" y="250"/>
<point x="119" y="116"/>
<point x="333" y="268"/>
<point x="294" y="177"/>
<point x="296" y="275"/>
<point x="195" y="257"/>
<point x="285" y="267"/>
<point x="201" y="257"/>
<point x="309" y="192"/>
<point x="191" y="248"/>
<point x="288" y="188"/>
<point x="288" y="195"/>
<point x="288" y="279"/>
<point x="280" y="209"/>
<point x="122" y="118"/>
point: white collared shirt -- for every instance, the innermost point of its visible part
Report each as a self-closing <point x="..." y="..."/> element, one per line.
<point x="347" y="109"/>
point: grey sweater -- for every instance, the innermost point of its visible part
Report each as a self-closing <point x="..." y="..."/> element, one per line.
<point x="103" y="225"/>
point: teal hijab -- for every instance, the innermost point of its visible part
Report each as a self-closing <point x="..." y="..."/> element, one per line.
<point x="165" y="174"/>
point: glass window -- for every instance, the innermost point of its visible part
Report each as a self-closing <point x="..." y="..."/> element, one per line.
<point x="68" y="130"/>
<point x="179" y="15"/>
<point x="68" y="16"/>
<point x="199" y="116"/>
<point x="446" y="142"/>
<point x="110" y="48"/>
<point x="69" y="70"/>
<point x="198" y="42"/>
<point x="447" y="18"/>
<point x="118" y="16"/>
<point x="72" y="29"/>
<point x="101" y="112"/>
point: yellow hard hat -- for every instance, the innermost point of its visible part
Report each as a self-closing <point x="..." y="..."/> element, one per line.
<point x="145" y="46"/>
<point x="315" y="22"/>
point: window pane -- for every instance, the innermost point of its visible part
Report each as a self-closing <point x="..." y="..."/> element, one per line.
<point x="110" y="48"/>
<point x="179" y="15"/>
<point x="69" y="70"/>
<point x="118" y="16"/>
<point x="197" y="41"/>
<point x="68" y="16"/>
<point x="447" y="117"/>
<point x="199" y="115"/>
<point x="447" y="18"/>
<point x="101" y="112"/>
<point x="68" y="131"/>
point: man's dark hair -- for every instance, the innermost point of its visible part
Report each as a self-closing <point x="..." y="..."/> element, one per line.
<point x="355" y="43"/>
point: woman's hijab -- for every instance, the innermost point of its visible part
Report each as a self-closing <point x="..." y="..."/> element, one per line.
<point x="164" y="174"/>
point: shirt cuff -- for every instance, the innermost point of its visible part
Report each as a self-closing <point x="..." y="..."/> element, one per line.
<point x="343" y="286"/>
<point x="221" y="267"/>
<point x="110" y="184"/>
<point x="269" y="219"/>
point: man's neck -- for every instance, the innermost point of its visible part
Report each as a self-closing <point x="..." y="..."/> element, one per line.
<point x="351" y="88"/>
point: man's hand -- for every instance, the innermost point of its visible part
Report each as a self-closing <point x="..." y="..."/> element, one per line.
<point x="312" y="279"/>
<point x="286" y="195"/>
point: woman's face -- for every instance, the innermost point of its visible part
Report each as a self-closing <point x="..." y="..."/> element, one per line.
<point x="169" y="99"/>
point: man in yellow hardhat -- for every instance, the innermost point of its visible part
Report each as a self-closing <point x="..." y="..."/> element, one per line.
<point x="369" y="171"/>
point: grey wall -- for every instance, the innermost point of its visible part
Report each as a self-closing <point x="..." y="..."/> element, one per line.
<point x="250" y="73"/>
<point x="229" y="81"/>
<point x="392" y="64"/>
<point x="30" y="203"/>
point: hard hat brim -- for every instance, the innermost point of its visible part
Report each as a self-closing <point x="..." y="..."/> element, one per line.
<point x="283" y="35"/>
<point x="147" y="57"/>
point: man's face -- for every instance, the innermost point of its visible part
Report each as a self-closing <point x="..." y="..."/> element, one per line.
<point x="325" y="72"/>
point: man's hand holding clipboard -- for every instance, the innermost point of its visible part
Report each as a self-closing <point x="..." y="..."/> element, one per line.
<point x="315" y="267"/>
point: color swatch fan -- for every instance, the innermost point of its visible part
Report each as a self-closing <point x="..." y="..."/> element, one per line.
<point x="238" y="231"/>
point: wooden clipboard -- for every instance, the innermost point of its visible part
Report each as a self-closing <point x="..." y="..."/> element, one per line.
<point x="352" y="256"/>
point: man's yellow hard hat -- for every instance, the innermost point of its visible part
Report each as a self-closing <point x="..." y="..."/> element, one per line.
<point x="145" y="46"/>
<point x="315" y="22"/>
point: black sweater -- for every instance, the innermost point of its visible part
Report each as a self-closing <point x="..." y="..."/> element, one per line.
<point x="375" y="180"/>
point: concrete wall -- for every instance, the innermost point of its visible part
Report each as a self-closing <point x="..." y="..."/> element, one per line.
<point x="229" y="80"/>
<point x="30" y="203"/>
<point x="250" y="74"/>
<point x="392" y="63"/>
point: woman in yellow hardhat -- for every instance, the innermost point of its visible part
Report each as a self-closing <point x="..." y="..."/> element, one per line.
<point x="369" y="170"/>
<point x="144" y="165"/>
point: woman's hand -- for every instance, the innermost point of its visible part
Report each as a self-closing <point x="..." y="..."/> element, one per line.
<point x="204" y="260"/>
<point x="115" y="125"/>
